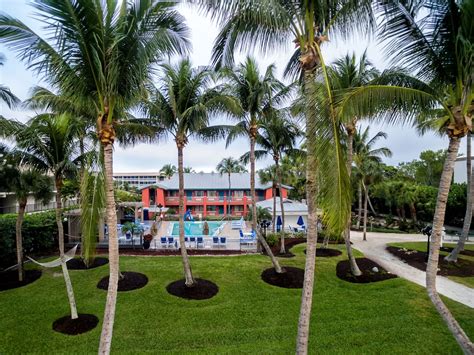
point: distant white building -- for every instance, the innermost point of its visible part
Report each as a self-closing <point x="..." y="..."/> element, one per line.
<point x="138" y="179"/>
<point x="293" y="210"/>
<point x="460" y="171"/>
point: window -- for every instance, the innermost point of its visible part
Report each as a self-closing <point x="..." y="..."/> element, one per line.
<point x="239" y="208"/>
<point x="198" y="193"/>
<point x="199" y="209"/>
<point x="212" y="208"/>
<point x="239" y="194"/>
<point x="212" y="193"/>
<point x="173" y="193"/>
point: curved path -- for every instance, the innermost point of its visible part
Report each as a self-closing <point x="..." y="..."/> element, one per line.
<point x="374" y="248"/>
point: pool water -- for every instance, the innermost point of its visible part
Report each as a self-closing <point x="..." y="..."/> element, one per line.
<point x="195" y="228"/>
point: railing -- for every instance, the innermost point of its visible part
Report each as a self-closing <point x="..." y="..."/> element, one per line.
<point x="205" y="199"/>
<point x="37" y="207"/>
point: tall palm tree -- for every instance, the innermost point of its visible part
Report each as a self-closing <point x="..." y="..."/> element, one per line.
<point x="435" y="39"/>
<point x="48" y="143"/>
<point x="24" y="181"/>
<point x="100" y="53"/>
<point x="277" y="136"/>
<point x="228" y="166"/>
<point x="182" y="106"/>
<point x="6" y="95"/>
<point x="168" y="170"/>
<point x="256" y="94"/>
<point x="268" y="175"/>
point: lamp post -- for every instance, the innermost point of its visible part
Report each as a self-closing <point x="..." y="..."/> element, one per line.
<point x="264" y="225"/>
<point x="427" y="231"/>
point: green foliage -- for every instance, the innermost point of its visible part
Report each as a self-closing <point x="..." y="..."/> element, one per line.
<point x="262" y="213"/>
<point x="171" y="211"/>
<point x="427" y="169"/>
<point x="126" y="196"/>
<point x="39" y="235"/>
<point x="272" y="239"/>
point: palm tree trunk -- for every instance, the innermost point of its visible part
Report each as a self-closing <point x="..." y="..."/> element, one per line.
<point x="347" y="235"/>
<point x="19" y="237"/>
<point x="59" y="222"/>
<point x="109" y="313"/>
<point x="453" y="256"/>
<point x="188" y="275"/>
<point x="432" y="267"/>
<point x="413" y="212"/>
<point x="282" y="208"/>
<point x="366" y="198"/>
<point x="274" y="208"/>
<point x="261" y="239"/>
<point x="371" y="206"/>
<point x="228" y="197"/>
<point x="359" y="212"/>
<point x="302" y="337"/>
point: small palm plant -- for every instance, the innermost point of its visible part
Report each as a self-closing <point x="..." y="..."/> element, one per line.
<point x="229" y="166"/>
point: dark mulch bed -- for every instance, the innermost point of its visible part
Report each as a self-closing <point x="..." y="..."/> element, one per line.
<point x="9" y="279"/>
<point x="326" y="252"/>
<point x="292" y="277"/>
<point x="78" y="263"/>
<point x="285" y="255"/>
<point x="289" y="243"/>
<point x="82" y="324"/>
<point x="464" y="252"/>
<point x="176" y="252"/>
<point x="202" y="290"/>
<point x="130" y="281"/>
<point x="343" y="271"/>
<point x="415" y="258"/>
<point x="321" y="240"/>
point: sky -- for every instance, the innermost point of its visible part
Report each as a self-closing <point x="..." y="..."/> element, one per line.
<point x="405" y="144"/>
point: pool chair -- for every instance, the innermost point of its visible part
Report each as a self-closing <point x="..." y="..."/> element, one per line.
<point x="200" y="240"/>
<point x="163" y="242"/>
<point x="215" y="241"/>
<point x="186" y="241"/>
<point x="223" y="241"/>
<point x="192" y="242"/>
<point x="170" y="241"/>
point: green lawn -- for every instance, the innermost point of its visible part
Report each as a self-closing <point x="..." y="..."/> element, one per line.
<point x="468" y="281"/>
<point x="246" y="316"/>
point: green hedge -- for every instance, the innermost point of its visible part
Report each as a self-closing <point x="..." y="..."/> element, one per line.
<point x="39" y="235"/>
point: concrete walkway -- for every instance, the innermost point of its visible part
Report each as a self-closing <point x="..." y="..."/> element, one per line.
<point x="374" y="248"/>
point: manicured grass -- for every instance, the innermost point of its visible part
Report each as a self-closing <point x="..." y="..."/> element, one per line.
<point x="421" y="246"/>
<point x="246" y="316"/>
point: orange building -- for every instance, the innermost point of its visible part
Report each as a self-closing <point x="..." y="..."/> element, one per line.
<point x="209" y="194"/>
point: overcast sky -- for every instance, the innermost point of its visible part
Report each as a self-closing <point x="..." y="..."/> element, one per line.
<point x="403" y="142"/>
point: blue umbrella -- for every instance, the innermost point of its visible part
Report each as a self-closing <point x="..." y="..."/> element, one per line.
<point x="279" y="223"/>
<point x="300" y="221"/>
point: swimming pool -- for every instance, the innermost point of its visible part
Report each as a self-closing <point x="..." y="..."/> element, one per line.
<point x="195" y="228"/>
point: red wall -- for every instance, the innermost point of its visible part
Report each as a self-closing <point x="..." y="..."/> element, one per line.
<point x="160" y="197"/>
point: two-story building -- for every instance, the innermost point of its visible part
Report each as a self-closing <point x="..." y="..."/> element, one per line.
<point x="208" y="194"/>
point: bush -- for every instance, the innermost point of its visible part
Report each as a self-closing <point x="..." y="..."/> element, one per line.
<point x="272" y="239"/>
<point x="39" y="233"/>
<point x="170" y="211"/>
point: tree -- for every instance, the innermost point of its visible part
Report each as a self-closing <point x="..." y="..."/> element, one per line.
<point x="182" y="106"/>
<point x="228" y="166"/>
<point x="256" y="95"/>
<point x="168" y="171"/>
<point x="277" y="136"/>
<point x="188" y="170"/>
<point x="435" y="39"/>
<point x="6" y="95"/>
<point x="48" y="143"/>
<point x="427" y="169"/>
<point x="100" y="54"/>
<point x="268" y="175"/>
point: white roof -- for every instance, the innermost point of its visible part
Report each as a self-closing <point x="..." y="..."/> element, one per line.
<point x="289" y="205"/>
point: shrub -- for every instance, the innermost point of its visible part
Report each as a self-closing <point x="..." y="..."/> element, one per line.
<point x="171" y="211"/>
<point x="272" y="239"/>
<point x="39" y="233"/>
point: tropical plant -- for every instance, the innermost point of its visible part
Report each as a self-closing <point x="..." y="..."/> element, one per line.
<point x="256" y="94"/>
<point x="6" y="95"/>
<point x="188" y="170"/>
<point x="100" y="54"/>
<point x="435" y="39"/>
<point x="168" y="170"/>
<point x="262" y="214"/>
<point x="277" y="136"/>
<point x="48" y="143"/>
<point x="268" y="175"/>
<point x="228" y="166"/>
<point x="182" y="106"/>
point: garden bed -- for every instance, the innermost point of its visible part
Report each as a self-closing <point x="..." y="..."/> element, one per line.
<point x="82" y="324"/>
<point x="366" y="266"/>
<point x="9" y="279"/>
<point x="78" y="263"/>
<point x="293" y="277"/>
<point x="202" y="290"/>
<point x="130" y="281"/>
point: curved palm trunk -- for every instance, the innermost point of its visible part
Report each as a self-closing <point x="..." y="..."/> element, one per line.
<point x="59" y="222"/>
<point x="359" y="211"/>
<point x="282" y="208"/>
<point x="302" y="337"/>
<point x="188" y="275"/>
<point x="432" y="267"/>
<point x="261" y="239"/>
<point x="19" y="237"/>
<point x="228" y="197"/>
<point x="347" y="235"/>
<point x="366" y="198"/>
<point x="109" y="313"/>
<point x="453" y="256"/>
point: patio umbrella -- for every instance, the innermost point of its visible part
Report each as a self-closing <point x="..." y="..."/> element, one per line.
<point x="279" y="223"/>
<point x="300" y="221"/>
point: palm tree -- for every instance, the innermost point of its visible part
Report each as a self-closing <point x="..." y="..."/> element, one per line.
<point x="277" y="137"/>
<point x="435" y="39"/>
<point x="24" y="181"/>
<point x="181" y="107"/>
<point x="228" y="166"/>
<point x="48" y="143"/>
<point x="188" y="170"/>
<point x="367" y="161"/>
<point x="100" y="54"/>
<point x="6" y="95"/>
<point x="256" y="94"/>
<point x="268" y="175"/>
<point x="168" y="170"/>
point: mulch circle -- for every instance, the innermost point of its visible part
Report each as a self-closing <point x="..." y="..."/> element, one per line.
<point x="292" y="277"/>
<point x="130" y="281"/>
<point x="463" y="252"/>
<point x="331" y="241"/>
<point x="82" y="324"/>
<point x="343" y="271"/>
<point x="202" y="290"/>
<point x="415" y="258"/>
<point x="78" y="263"/>
<point x="9" y="279"/>
<point x="326" y="252"/>
<point x="285" y="255"/>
